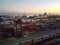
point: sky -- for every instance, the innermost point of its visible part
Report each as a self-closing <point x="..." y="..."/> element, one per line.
<point x="30" y="6"/>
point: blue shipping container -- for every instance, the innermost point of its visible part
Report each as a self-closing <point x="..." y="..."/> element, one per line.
<point x="57" y="40"/>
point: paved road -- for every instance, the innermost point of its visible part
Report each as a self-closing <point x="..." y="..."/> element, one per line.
<point x="40" y="34"/>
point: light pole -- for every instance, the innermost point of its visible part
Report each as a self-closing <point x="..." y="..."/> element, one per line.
<point x="16" y="30"/>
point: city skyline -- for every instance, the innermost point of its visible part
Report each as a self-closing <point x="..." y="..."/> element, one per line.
<point x="30" y="6"/>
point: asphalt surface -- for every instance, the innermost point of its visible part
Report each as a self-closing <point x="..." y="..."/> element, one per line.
<point x="23" y="40"/>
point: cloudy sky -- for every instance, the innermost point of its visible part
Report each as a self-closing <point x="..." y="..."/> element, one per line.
<point x="30" y="6"/>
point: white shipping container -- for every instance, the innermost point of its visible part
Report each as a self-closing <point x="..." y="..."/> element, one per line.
<point x="7" y="22"/>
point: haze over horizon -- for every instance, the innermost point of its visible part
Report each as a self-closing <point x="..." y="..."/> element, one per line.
<point x="30" y="6"/>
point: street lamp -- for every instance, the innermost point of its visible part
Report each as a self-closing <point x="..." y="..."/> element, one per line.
<point x="16" y="30"/>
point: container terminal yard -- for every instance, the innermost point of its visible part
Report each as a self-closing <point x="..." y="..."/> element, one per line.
<point x="33" y="30"/>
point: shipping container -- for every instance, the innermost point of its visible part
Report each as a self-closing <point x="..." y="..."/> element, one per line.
<point x="18" y="29"/>
<point x="38" y="28"/>
<point x="2" y="35"/>
<point x="24" y="29"/>
<point x="9" y="32"/>
<point x="1" y="31"/>
<point x="19" y="32"/>
<point x="32" y="28"/>
<point x="57" y="41"/>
